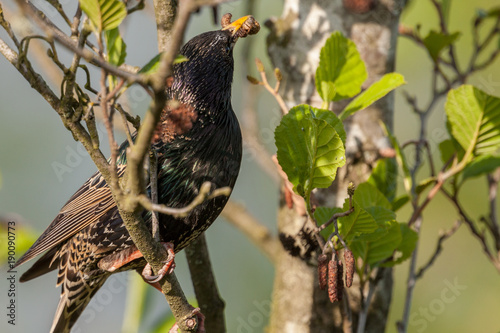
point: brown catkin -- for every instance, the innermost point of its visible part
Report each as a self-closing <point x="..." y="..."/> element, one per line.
<point x="333" y="280"/>
<point x="322" y="271"/>
<point x="340" y="280"/>
<point x="349" y="268"/>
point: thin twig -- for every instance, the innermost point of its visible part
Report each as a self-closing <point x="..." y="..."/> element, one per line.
<point x="444" y="235"/>
<point x="54" y="32"/>
<point x="273" y="91"/>
<point x="372" y="285"/>
<point x="204" y="194"/>
<point x="493" y="257"/>
<point x="402" y="325"/>
<point x="333" y="219"/>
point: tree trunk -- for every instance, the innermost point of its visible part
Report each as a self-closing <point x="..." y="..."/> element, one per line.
<point x="294" y="44"/>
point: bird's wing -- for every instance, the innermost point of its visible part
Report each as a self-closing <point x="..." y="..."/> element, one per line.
<point x="86" y="206"/>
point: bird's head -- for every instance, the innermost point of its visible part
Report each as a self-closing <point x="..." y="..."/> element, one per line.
<point x="205" y="79"/>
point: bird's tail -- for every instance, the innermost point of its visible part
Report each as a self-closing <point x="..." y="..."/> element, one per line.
<point x="75" y="295"/>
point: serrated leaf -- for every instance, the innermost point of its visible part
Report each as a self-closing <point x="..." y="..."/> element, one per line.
<point x="400" y="158"/>
<point x="370" y="208"/>
<point x="309" y="149"/>
<point x="381" y="214"/>
<point x="373" y="252"/>
<point x="356" y="223"/>
<point x="116" y="47"/>
<point x="381" y="231"/>
<point x="409" y="239"/>
<point x="333" y="120"/>
<point x="373" y="93"/>
<point x="368" y="196"/>
<point x="384" y="177"/>
<point x="481" y="165"/>
<point x="104" y="14"/>
<point x="474" y="120"/>
<point x="341" y="71"/>
<point x="435" y="42"/>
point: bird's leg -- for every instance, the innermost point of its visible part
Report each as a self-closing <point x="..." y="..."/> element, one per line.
<point x="201" y="322"/>
<point x="167" y="268"/>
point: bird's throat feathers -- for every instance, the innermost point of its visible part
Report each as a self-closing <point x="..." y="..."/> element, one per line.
<point x="204" y="80"/>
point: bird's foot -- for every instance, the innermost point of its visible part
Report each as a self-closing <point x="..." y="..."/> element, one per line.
<point x="167" y="268"/>
<point x="201" y="322"/>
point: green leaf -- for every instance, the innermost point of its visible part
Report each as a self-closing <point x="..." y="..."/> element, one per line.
<point x="356" y="223"/>
<point x="104" y="14"/>
<point x="435" y="42"/>
<point x="341" y="71"/>
<point x="153" y="64"/>
<point x="400" y="202"/>
<point x="25" y="237"/>
<point x="368" y="196"/>
<point x="447" y="149"/>
<point x="309" y="149"/>
<point x="481" y="165"/>
<point x="474" y="120"/>
<point x="381" y="214"/>
<point x="375" y="251"/>
<point x="400" y="158"/>
<point x="381" y="231"/>
<point x="116" y="47"/>
<point x="370" y="207"/>
<point x="323" y="215"/>
<point x="333" y="120"/>
<point x="409" y="239"/>
<point x="376" y="91"/>
<point x="384" y="177"/>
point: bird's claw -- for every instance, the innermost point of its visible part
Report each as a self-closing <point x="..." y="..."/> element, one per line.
<point x="167" y="268"/>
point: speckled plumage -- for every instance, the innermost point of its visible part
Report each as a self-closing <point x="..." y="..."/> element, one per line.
<point x="197" y="140"/>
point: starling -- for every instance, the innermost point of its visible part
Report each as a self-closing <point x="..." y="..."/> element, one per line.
<point x="197" y="140"/>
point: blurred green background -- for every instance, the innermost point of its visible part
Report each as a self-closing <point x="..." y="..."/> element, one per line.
<point x="41" y="166"/>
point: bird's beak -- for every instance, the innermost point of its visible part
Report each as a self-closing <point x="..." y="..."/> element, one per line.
<point x="236" y="25"/>
<point x="242" y="27"/>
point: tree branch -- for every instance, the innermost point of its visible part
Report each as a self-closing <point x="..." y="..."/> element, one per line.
<point x="54" y="32"/>
<point x="205" y="286"/>
<point x="204" y="194"/>
<point x="260" y="235"/>
<point x="444" y="235"/>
